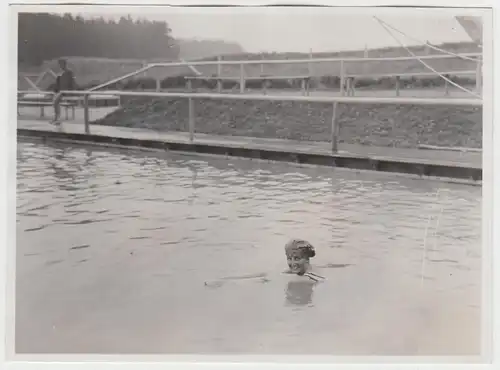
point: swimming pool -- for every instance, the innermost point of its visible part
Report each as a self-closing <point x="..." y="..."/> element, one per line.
<point x="115" y="249"/>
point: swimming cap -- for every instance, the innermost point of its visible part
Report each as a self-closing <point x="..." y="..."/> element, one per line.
<point x="301" y="245"/>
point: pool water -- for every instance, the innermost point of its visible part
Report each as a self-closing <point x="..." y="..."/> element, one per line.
<point x="120" y="251"/>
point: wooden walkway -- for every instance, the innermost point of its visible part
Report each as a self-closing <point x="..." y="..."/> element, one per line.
<point x="450" y="164"/>
<point x="468" y="159"/>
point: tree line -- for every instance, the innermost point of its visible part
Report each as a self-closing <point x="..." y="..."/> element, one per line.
<point x="44" y="36"/>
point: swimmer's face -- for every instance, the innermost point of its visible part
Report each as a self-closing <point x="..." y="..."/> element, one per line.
<point x="297" y="262"/>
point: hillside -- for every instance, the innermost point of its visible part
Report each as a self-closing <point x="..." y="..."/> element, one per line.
<point x="198" y="49"/>
<point x="98" y="70"/>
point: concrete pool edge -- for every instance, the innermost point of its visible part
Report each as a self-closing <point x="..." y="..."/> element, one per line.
<point x="422" y="169"/>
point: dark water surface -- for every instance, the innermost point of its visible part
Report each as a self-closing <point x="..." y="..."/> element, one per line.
<point x="127" y="252"/>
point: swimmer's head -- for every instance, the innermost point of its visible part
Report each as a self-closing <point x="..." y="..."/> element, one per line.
<point x="298" y="253"/>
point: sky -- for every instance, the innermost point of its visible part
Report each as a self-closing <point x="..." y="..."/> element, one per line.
<point x="301" y="29"/>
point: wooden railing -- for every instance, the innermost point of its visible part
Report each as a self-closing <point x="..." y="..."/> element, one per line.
<point x="335" y="101"/>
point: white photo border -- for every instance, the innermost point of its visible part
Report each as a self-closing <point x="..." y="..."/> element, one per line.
<point x="491" y="175"/>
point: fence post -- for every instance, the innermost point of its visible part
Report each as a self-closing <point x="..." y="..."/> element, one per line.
<point x="242" y="78"/>
<point x="191" y="119"/>
<point x="342" y="77"/>
<point x="86" y="117"/>
<point x="335" y="128"/>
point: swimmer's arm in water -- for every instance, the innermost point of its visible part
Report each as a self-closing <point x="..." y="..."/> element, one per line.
<point x="245" y="277"/>
<point x="218" y="283"/>
<point x="262" y="277"/>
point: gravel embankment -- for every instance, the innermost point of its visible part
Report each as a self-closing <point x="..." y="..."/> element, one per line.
<point x="376" y="125"/>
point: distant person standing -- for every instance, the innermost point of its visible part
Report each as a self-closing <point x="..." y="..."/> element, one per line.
<point x="64" y="81"/>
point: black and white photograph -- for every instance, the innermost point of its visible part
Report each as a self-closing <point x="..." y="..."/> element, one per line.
<point x="251" y="181"/>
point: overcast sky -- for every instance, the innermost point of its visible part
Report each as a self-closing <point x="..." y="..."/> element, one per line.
<point x="301" y="29"/>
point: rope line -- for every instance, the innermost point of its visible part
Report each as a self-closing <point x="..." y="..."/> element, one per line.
<point x="427" y="44"/>
<point x="425" y="64"/>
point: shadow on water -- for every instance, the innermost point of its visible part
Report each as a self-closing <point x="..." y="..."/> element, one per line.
<point x="72" y="172"/>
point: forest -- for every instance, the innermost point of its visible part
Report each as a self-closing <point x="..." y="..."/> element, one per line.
<point x="44" y="36"/>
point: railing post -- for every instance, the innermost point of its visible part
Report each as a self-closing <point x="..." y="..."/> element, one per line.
<point x="478" y="76"/>
<point x="219" y="74"/>
<point x="350" y="85"/>
<point x="264" y="86"/>
<point x="86" y="117"/>
<point x="242" y="78"/>
<point x="191" y="114"/>
<point x="158" y="85"/>
<point x="398" y="86"/>
<point x="219" y="85"/>
<point x="365" y="64"/>
<point x="335" y="128"/>
<point x="262" y="65"/>
<point x="446" y="88"/>
<point x="219" y="66"/>
<point x="342" y="77"/>
<point x="427" y="49"/>
<point x="309" y="65"/>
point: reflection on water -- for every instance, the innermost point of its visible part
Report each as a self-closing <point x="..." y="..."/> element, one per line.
<point x="299" y="292"/>
<point x="128" y="252"/>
